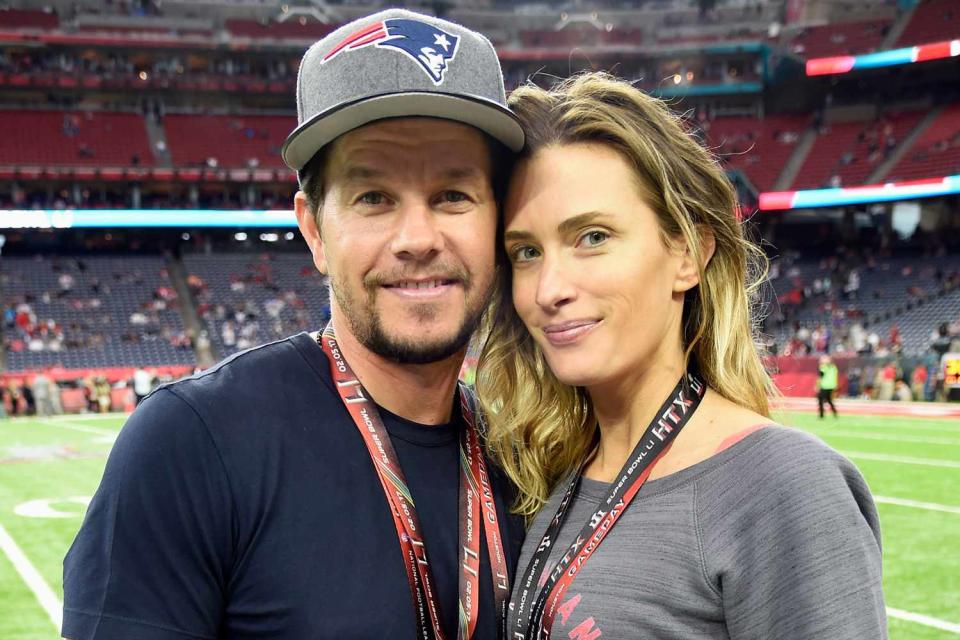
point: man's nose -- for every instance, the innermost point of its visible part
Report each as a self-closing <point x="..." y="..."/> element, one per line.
<point x="417" y="235"/>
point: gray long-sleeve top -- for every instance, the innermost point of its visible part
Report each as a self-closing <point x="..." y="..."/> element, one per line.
<point x="773" y="538"/>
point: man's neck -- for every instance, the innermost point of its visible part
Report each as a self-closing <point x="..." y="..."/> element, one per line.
<point x="421" y="393"/>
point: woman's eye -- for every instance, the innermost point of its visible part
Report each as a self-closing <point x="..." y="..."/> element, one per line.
<point x="593" y="238"/>
<point x="523" y="253"/>
<point x="372" y="198"/>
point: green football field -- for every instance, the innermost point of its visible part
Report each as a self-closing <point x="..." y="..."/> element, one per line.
<point x="50" y="467"/>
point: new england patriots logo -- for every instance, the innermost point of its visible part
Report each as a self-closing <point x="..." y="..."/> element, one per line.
<point x="432" y="48"/>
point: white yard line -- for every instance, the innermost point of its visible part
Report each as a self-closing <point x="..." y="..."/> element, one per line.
<point x="98" y="416"/>
<point x="44" y="594"/>
<point x="929" y="506"/>
<point x="827" y="432"/>
<point x="65" y="424"/>
<point x="829" y="423"/>
<point x="928" y="462"/>
<point x="927" y="621"/>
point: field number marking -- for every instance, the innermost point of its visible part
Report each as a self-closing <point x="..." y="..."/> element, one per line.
<point x="48" y="507"/>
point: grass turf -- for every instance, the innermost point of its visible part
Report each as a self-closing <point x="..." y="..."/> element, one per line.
<point x="58" y="459"/>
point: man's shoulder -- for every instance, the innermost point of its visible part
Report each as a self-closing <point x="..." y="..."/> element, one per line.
<point x="254" y="372"/>
<point x="255" y="381"/>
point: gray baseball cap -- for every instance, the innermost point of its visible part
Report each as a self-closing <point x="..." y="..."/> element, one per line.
<point x="394" y="64"/>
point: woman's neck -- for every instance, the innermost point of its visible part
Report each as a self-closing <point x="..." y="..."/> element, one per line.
<point x="418" y="392"/>
<point x="624" y="409"/>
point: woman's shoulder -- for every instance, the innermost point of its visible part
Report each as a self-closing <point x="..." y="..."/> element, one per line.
<point x="777" y="467"/>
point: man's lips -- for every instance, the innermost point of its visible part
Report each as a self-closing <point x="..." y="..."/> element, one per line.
<point x="421" y="289"/>
<point x="566" y="333"/>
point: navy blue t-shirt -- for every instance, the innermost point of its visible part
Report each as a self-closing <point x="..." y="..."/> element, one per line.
<point x="242" y="503"/>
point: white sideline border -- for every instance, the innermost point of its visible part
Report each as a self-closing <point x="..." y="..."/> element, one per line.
<point x="28" y="573"/>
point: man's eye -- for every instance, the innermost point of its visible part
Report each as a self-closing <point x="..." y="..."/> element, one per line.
<point x="372" y="198"/>
<point x="593" y="238"/>
<point x="455" y="196"/>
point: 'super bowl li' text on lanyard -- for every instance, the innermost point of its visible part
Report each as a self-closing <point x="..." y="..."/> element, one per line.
<point x="476" y="495"/>
<point x="534" y="617"/>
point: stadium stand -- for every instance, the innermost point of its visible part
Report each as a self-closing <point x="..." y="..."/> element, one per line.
<point x="846" y="153"/>
<point x="839" y="39"/>
<point x="249" y="299"/>
<point x="932" y="21"/>
<point x="85" y="138"/>
<point x="936" y="152"/>
<point x="83" y="311"/>
<point x="28" y="19"/>
<point x="297" y="29"/>
<point x="758" y="148"/>
<point x="916" y="294"/>
<point x="232" y="141"/>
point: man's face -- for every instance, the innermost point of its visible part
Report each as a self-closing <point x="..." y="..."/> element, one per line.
<point x="407" y="234"/>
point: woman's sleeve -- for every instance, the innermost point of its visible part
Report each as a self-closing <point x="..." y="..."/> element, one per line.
<point x="797" y="552"/>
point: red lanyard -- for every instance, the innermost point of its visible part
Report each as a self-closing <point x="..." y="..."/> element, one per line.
<point x="476" y="497"/>
<point x="534" y="617"/>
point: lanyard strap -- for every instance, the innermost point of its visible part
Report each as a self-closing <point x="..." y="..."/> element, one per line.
<point x="534" y="617"/>
<point x="476" y="498"/>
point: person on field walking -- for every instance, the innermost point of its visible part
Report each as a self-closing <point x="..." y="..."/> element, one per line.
<point x="826" y="384"/>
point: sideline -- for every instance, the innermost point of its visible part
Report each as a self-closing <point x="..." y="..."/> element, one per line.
<point x="41" y="590"/>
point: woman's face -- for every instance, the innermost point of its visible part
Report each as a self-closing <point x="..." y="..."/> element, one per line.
<point x="593" y="281"/>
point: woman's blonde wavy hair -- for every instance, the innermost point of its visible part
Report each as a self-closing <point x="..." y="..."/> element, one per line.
<point x="539" y="429"/>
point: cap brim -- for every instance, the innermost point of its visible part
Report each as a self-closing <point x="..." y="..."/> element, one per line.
<point x="486" y="115"/>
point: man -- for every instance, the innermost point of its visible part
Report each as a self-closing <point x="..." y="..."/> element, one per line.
<point x="312" y="487"/>
<point x="827" y="377"/>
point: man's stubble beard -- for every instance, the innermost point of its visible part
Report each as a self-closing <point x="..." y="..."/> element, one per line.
<point x="366" y="326"/>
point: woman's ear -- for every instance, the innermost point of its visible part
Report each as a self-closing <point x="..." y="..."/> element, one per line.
<point x="688" y="275"/>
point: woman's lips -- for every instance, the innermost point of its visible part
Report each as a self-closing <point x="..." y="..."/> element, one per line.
<point x="568" y="333"/>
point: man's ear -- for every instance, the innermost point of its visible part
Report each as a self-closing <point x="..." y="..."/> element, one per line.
<point x="688" y="275"/>
<point x="307" y="221"/>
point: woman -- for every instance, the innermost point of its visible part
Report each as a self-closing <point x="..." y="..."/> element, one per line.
<point x="626" y="399"/>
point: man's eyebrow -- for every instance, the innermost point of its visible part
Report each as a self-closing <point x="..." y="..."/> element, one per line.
<point x="361" y="172"/>
<point x="461" y="173"/>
